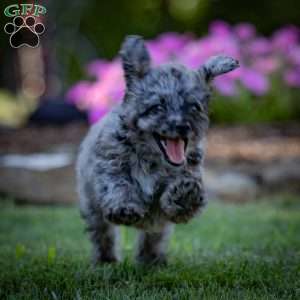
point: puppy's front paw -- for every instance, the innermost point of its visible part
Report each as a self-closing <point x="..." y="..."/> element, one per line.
<point x="126" y="214"/>
<point x="182" y="200"/>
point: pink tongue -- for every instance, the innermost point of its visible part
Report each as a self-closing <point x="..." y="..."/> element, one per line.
<point x="175" y="150"/>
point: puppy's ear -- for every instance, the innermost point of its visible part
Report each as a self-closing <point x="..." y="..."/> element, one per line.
<point x="135" y="58"/>
<point x="218" y="65"/>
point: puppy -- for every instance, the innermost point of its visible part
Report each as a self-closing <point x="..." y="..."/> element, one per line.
<point x="141" y="164"/>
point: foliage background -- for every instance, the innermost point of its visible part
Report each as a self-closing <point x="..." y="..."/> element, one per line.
<point x="81" y="31"/>
<point x="98" y="27"/>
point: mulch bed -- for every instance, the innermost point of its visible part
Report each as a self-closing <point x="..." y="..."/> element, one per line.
<point x="228" y="143"/>
<point x="40" y="139"/>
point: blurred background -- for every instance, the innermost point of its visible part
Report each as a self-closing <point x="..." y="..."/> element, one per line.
<point x="51" y="94"/>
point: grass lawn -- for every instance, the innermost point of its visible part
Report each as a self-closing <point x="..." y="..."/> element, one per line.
<point x="249" y="251"/>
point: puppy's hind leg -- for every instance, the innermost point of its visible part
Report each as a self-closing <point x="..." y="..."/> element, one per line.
<point x="152" y="246"/>
<point x="105" y="240"/>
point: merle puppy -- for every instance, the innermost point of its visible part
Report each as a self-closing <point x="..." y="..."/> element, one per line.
<point x="141" y="164"/>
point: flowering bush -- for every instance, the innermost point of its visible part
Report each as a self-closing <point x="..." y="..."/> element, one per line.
<point x="262" y="61"/>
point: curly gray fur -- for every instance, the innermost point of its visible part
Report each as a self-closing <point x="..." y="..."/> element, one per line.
<point x="124" y="175"/>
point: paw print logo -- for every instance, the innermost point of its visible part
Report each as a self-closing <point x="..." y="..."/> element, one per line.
<point x="24" y="32"/>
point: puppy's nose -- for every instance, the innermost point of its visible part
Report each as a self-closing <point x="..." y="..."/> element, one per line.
<point x="183" y="129"/>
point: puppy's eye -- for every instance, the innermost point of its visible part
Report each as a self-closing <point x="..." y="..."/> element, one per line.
<point x="157" y="108"/>
<point x="196" y="107"/>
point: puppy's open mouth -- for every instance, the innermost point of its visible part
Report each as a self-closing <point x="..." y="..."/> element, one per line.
<point x="173" y="149"/>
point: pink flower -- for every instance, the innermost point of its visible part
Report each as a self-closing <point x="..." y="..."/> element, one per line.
<point x="259" y="46"/>
<point x="97" y="68"/>
<point x="245" y="31"/>
<point x="109" y="90"/>
<point x="193" y="55"/>
<point x="166" y="47"/>
<point x="220" y="28"/>
<point x="266" y="65"/>
<point x="294" y="55"/>
<point x="285" y="38"/>
<point x="117" y="94"/>
<point x="226" y="86"/>
<point x="234" y="75"/>
<point x="254" y="81"/>
<point x="96" y="114"/>
<point x="172" y="42"/>
<point x="157" y="53"/>
<point x="77" y="93"/>
<point x="259" y="57"/>
<point x="292" y="77"/>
